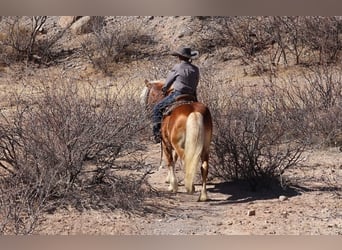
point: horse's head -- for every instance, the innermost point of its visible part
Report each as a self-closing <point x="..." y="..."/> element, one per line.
<point x="152" y="93"/>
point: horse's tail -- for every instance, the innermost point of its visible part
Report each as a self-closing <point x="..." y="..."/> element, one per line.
<point x="194" y="143"/>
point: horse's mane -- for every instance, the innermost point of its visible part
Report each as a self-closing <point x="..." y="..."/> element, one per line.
<point x="144" y="96"/>
<point x="146" y="90"/>
<point x="156" y="81"/>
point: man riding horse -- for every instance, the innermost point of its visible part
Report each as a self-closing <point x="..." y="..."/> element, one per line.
<point x="184" y="78"/>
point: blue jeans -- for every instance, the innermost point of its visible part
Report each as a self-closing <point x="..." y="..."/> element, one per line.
<point x="159" y="109"/>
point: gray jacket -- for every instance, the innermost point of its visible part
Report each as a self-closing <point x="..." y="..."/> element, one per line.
<point x="185" y="77"/>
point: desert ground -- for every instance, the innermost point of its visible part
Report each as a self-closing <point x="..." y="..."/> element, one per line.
<point x="312" y="206"/>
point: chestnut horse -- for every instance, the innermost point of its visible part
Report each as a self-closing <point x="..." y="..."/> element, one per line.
<point x="186" y="134"/>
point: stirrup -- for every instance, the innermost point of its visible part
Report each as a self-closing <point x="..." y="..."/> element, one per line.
<point x="157" y="139"/>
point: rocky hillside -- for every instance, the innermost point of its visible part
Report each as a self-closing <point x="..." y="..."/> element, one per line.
<point x="152" y="37"/>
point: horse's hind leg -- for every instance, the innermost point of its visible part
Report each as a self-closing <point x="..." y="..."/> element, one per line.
<point x="204" y="172"/>
<point x="171" y="177"/>
<point x="175" y="157"/>
<point x="173" y="186"/>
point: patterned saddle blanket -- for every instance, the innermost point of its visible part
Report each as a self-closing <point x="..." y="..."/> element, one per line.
<point x="180" y="100"/>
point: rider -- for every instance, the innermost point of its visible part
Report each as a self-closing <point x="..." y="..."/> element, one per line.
<point x="184" y="77"/>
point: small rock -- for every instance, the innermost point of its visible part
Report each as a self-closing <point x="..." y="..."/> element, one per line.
<point x="251" y="213"/>
<point x="284" y="214"/>
<point x="283" y="198"/>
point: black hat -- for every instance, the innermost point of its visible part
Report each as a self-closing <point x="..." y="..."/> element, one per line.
<point x="185" y="52"/>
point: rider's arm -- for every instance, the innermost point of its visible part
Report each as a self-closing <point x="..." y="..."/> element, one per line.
<point x="171" y="77"/>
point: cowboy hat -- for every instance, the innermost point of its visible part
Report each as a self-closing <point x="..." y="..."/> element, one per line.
<point x="185" y="52"/>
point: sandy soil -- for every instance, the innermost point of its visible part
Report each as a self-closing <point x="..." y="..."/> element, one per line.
<point x="312" y="206"/>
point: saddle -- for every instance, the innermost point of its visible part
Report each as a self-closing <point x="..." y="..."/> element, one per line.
<point x="180" y="100"/>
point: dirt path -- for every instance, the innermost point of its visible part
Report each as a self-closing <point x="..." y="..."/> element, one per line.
<point x="313" y="208"/>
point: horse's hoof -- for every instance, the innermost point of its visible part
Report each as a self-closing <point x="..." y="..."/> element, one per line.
<point x="202" y="199"/>
<point x="172" y="190"/>
<point x="190" y="190"/>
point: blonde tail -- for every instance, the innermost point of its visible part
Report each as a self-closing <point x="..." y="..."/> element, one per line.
<point x="194" y="143"/>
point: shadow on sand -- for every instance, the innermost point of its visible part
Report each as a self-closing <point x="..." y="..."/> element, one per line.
<point x="240" y="192"/>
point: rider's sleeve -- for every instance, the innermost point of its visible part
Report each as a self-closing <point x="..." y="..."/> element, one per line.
<point x="171" y="77"/>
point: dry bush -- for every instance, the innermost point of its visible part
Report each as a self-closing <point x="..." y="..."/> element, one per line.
<point x="322" y="35"/>
<point x="248" y="34"/>
<point x="261" y="130"/>
<point x="60" y="146"/>
<point x="305" y="40"/>
<point x="256" y="135"/>
<point x="289" y="40"/>
<point x="319" y="95"/>
<point x="323" y="86"/>
<point x="266" y="43"/>
<point x="122" y="42"/>
<point x="24" y="35"/>
<point x="22" y="203"/>
<point x="250" y="39"/>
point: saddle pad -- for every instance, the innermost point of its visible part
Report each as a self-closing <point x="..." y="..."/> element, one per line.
<point x="174" y="105"/>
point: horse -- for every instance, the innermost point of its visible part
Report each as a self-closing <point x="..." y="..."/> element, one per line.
<point x="186" y="133"/>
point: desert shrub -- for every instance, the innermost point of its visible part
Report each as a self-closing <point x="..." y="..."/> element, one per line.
<point x="267" y="43"/>
<point x="22" y="203"/>
<point x="122" y="42"/>
<point x="247" y="34"/>
<point x="256" y="137"/>
<point x="60" y="144"/>
<point x="322" y="35"/>
<point x="24" y="37"/>
<point x="253" y="143"/>
<point x="261" y="130"/>
<point x="323" y="86"/>
<point x="318" y="94"/>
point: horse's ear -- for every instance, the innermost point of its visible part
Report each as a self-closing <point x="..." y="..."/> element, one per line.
<point x="147" y="83"/>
